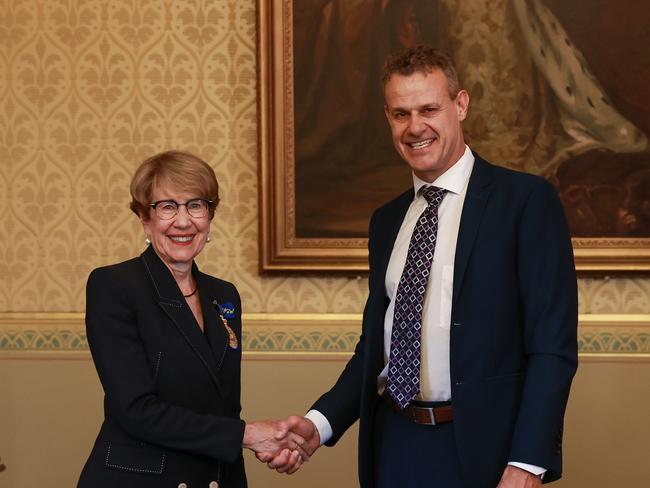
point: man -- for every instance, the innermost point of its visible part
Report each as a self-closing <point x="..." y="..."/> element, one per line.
<point x="462" y="372"/>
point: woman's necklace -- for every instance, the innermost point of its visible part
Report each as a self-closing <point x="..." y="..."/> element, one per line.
<point x="193" y="291"/>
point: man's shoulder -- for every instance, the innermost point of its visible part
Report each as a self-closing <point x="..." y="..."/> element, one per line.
<point x="398" y="203"/>
<point x="505" y="177"/>
<point x="393" y="210"/>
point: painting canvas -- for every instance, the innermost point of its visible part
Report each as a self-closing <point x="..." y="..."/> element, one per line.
<point x="604" y="176"/>
<point x="545" y="100"/>
<point x="344" y="155"/>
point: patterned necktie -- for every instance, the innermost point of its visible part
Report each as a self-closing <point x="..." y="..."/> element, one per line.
<point x="404" y="363"/>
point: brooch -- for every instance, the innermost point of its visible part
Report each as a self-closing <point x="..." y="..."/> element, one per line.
<point x="227" y="311"/>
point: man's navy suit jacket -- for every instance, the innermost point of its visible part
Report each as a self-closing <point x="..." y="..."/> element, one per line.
<point x="513" y="344"/>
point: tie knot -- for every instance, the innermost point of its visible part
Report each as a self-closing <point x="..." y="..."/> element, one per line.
<point x="433" y="194"/>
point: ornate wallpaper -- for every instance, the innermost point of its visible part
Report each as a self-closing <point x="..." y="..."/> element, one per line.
<point x="88" y="89"/>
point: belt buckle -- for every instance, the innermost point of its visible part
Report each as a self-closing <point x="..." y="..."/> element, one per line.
<point x="432" y="417"/>
<point x="418" y="418"/>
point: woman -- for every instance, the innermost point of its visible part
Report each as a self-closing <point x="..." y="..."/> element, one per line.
<point x="166" y="342"/>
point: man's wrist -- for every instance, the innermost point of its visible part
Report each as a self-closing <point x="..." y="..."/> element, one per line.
<point x="322" y="425"/>
<point x="531" y="468"/>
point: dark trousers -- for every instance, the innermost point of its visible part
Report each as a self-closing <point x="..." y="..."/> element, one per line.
<point x="410" y="455"/>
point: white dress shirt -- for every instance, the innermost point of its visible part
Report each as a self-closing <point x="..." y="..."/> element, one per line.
<point x="435" y="382"/>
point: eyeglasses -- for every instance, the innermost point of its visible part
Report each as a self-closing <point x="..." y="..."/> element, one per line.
<point x="168" y="209"/>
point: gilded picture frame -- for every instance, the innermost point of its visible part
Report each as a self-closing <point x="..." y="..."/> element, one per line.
<point x="282" y="248"/>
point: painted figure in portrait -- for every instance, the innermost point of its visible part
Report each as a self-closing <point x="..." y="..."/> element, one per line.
<point x="558" y="90"/>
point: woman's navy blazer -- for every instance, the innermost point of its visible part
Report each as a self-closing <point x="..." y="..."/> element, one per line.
<point x="171" y="392"/>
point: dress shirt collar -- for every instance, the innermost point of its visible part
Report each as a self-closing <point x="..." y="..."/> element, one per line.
<point x="455" y="179"/>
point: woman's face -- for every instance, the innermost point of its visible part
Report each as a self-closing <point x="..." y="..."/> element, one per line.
<point x="180" y="239"/>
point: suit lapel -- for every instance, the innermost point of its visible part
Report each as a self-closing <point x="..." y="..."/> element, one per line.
<point x="478" y="192"/>
<point x="395" y="219"/>
<point x="391" y="218"/>
<point x="214" y="328"/>
<point x="171" y="300"/>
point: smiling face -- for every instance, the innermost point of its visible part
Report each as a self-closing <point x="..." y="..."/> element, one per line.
<point x="180" y="239"/>
<point x="426" y="122"/>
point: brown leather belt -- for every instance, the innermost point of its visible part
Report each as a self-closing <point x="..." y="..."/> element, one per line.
<point x="422" y="415"/>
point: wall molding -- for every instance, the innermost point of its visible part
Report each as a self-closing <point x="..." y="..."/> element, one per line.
<point x="300" y="336"/>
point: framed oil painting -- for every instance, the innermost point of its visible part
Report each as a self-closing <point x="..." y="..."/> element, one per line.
<point x="544" y="99"/>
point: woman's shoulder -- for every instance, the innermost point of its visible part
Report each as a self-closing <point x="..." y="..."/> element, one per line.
<point x="219" y="285"/>
<point x="123" y="272"/>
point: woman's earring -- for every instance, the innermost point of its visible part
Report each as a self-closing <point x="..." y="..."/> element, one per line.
<point x="208" y="239"/>
<point x="147" y="241"/>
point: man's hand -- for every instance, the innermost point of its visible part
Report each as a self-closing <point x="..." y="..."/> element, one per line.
<point x="290" y="461"/>
<point x="514" y="477"/>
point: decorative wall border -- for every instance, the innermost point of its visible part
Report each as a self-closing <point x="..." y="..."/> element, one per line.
<point x="297" y="336"/>
<point x="614" y="337"/>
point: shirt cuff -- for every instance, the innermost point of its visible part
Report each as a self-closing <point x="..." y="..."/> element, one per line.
<point x="322" y="425"/>
<point x="531" y="468"/>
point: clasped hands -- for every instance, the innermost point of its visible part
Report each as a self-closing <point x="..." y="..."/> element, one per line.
<point x="283" y="444"/>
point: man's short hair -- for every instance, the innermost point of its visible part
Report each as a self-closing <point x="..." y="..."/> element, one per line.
<point x="421" y="59"/>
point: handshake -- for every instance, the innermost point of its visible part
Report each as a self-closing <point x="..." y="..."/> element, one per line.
<point x="283" y="444"/>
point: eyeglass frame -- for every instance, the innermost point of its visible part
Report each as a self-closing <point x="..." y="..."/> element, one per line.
<point x="179" y="204"/>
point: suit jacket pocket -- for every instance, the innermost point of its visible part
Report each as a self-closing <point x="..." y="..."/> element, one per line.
<point x="135" y="458"/>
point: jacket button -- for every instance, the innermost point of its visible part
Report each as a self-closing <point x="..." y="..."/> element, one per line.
<point x="213" y="484"/>
<point x="182" y="485"/>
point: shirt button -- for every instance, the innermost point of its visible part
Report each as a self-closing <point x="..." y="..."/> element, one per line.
<point x="213" y="484"/>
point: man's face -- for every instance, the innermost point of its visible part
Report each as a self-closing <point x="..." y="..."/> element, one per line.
<point x="426" y="122"/>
